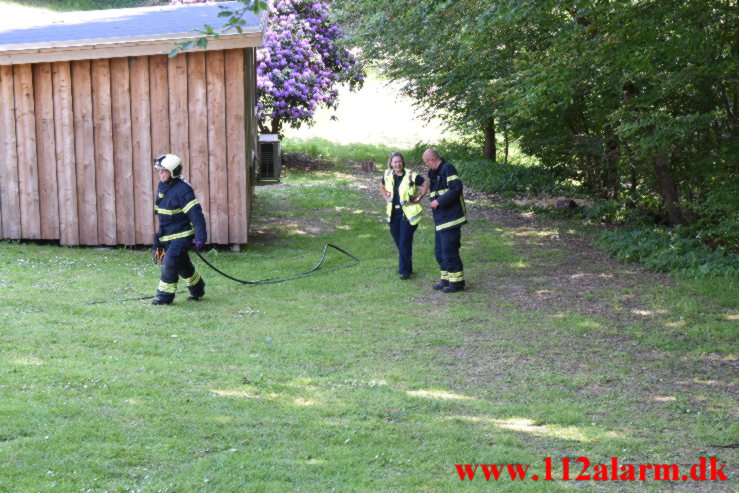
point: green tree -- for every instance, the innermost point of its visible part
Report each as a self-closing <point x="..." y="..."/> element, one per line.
<point x="430" y="46"/>
<point x="631" y="98"/>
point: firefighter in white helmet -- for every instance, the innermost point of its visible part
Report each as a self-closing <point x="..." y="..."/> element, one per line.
<point x="181" y="226"/>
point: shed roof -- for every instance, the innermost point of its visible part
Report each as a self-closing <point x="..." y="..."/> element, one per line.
<point x="120" y="32"/>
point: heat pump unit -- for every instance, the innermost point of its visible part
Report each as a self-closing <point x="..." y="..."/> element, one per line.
<point x="269" y="157"/>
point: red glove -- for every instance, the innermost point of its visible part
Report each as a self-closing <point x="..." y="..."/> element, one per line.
<point x="158" y="255"/>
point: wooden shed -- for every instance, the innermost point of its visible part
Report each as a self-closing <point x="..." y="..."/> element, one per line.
<point x="89" y="99"/>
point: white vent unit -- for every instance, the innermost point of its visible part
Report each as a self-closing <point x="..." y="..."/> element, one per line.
<point x="269" y="157"/>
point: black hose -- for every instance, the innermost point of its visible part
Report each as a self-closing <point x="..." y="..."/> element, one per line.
<point x="274" y="280"/>
<point x="99" y="302"/>
<point x="270" y="280"/>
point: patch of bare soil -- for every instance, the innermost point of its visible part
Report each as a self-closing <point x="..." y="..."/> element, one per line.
<point x="302" y="161"/>
<point x="366" y="178"/>
<point x="565" y="275"/>
<point x="566" y="272"/>
<point x="271" y="229"/>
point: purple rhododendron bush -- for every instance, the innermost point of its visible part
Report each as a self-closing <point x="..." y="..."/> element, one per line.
<point x="300" y="64"/>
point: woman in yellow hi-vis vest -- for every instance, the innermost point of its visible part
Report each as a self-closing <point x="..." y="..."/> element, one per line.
<point x="403" y="190"/>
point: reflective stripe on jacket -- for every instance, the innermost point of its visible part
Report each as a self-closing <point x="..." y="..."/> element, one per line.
<point x="406" y="191"/>
<point x="446" y="188"/>
<point x="180" y="214"/>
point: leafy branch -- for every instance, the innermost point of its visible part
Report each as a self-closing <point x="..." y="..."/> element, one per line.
<point x="235" y="21"/>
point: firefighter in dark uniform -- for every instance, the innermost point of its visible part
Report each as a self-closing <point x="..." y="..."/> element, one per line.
<point x="400" y="189"/>
<point x="450" y="213"/>
<point x="181" y="221"/>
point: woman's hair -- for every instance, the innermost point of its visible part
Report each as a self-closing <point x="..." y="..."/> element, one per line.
<point x="392" y="155"/>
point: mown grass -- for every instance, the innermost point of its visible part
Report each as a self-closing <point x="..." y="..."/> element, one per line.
<point x="72" y="5"/>
<point x="703" y="314"/>
<point x="330" y="151"/>
<point x="376" y="114"/>
<point x="349" y="379"/>
<point x="519" y="177"/>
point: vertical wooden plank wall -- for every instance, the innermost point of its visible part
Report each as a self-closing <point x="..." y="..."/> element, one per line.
<point x="25" y="129"/>
<point x="217" y="163"/>
<point x="66" y="166"/>
<point x="236" y="152"/>
<point x="84" y="150"/>
<point x="104" y="166"/>
<point x="250" y="122"/>
<point x="142" y="159"/>
<point x="122" y="150"/>
<point x="178" y="107"/>
<point x="159" y="90"/>
<point x="196" y="169"/>
<point x="9" y="193"/>
<point x="78" y="139"/>
<point x="46" y="151"/>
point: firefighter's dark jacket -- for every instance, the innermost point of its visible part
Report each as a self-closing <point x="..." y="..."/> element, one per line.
<point x="180" y="214"/>
<point x="446" y="189"/>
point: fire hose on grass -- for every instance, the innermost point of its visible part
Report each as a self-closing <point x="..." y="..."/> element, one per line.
<point x="271" y="280"/>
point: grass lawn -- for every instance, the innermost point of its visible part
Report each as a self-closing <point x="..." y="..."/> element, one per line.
<point x="351" y="379"/>
<point x="378" y="113"/>
<point x="24" y="7"/>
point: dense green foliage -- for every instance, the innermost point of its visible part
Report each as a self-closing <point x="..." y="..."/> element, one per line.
<point x="669" y="250"/>
<point x="328" y="151"/>
<point x="635" y="101"/>
<point x="631" y="235"/>
<point x="681" y="250"/>
<point x="518" y="176"/>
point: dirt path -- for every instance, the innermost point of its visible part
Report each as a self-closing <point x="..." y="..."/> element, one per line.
<point x="569" y="277"/>
<point x="566" y="277"/>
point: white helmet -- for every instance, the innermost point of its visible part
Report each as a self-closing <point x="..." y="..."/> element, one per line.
<point x="171" y="163"/>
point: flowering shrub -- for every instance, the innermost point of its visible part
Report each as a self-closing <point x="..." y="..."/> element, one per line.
<point x="300" y="64"/>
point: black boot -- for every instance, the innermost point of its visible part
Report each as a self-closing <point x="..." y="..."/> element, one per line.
<point x="440" y="285"/>
<point x="454" y="288"/>
<point x="199" y="293"/>
<point x="160" y="301"/>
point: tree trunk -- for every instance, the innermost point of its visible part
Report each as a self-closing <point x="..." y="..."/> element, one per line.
<point x="634" y="180"/>
<point x="669" y="190"/>
<point x="591" y="179"/>
<point x="489" y="130"/>
<point x="612" y="178"/>
<point x="505" y="140"/>
<point x="276" y="125"/>
<point x="271" y="127"/>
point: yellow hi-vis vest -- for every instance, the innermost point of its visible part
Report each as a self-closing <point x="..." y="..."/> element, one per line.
<point x="406" y="189"/>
